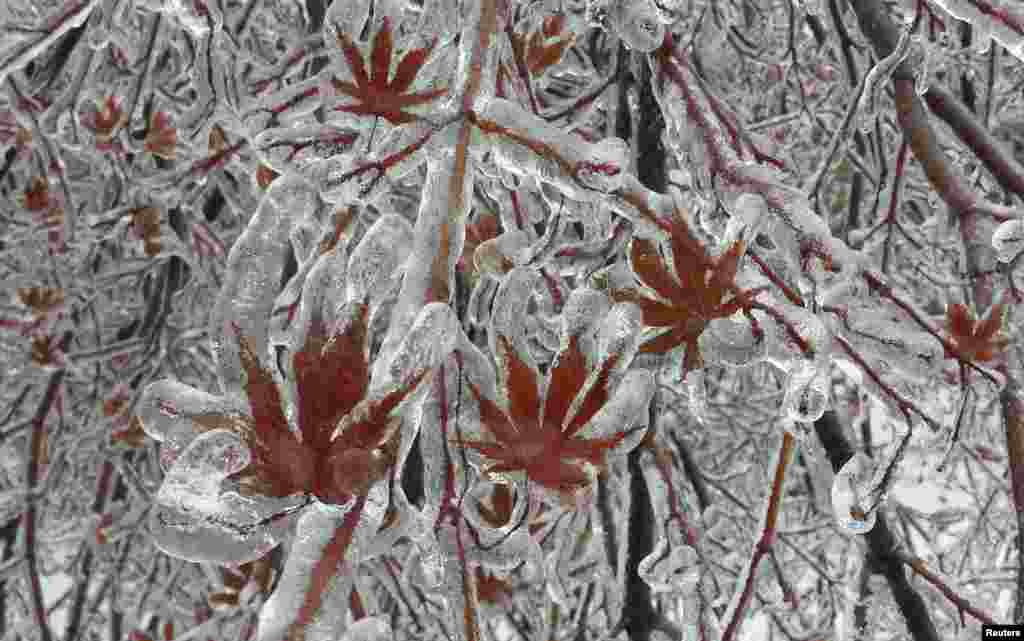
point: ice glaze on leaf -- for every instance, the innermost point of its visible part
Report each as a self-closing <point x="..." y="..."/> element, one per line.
<point x="543" y="442"/>
<point x="374" y="93"/>
<point x="701" y="290"/>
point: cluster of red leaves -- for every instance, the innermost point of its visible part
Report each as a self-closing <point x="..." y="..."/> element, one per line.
<point x="332" y="377"/>
<point x="701" y="290"/>
<point x="975" y="340"/>
<point x="161" y="137"/>
<point x="374" y="93"/>
<point x="540" y="439"/>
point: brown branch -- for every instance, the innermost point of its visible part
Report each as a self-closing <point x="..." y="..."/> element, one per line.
<point x="103" y="486"/>
<point x="33" y="454"/>
<point x="1004" y="167"/>
<point x="767" y="538"/>
<point x="962" y="605"/>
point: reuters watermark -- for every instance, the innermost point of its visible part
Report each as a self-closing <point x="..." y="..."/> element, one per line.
<point x="1002" y="632"/>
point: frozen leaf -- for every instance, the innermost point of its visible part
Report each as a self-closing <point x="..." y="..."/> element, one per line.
<point x="497" y="256"/>
<point x="371" y="90"/>
<point x="561" y="441"/>
<point x="166" y="410"/>
<point x="700" y="290"/>
<point x="849" y="494"/>
<point x="976" y="340"/>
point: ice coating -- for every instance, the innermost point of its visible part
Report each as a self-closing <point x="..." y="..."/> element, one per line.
<point x="1008" y="240"/>
<point x="849" y="490"/>
<point x="375" y="260"/>
<point x="639" y="23"/>
<point x="248" y="293"/>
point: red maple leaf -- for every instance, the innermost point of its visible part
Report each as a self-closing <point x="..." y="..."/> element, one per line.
<point x="540" y="439"/>
<point x="376" y="95"/>
<point x="348" y="439"/>
<point x="701" y="290"/>
<point x="975" y="340"/>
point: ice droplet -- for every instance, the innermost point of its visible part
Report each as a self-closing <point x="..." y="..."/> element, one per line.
<point x="849" y="491"/>
<point x="1008" y="240"/>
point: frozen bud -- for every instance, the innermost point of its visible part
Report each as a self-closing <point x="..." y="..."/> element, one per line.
<point x="849" y="495"/>
<point x="639" y="24"/>
<point x="605" y="168"/>
<point x="1008" y="240"/>
<point x="806" y="393"/>
<point x="744" y="223"/>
